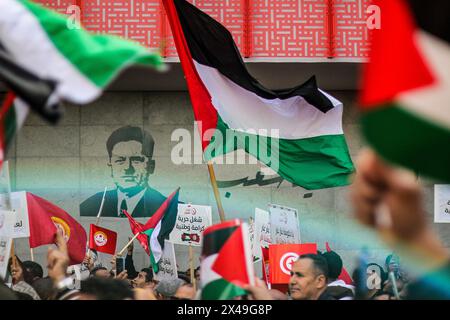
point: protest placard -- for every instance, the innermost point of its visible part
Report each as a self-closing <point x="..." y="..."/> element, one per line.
<point x="442" y="203"/>
<point x="261" y="238"/>
<point x="19" y="209"/>
<point x="284" y="227"/>
<point x="6" y="231"/>
<point x="167" y="264"/>
<point x="192" y="220"/>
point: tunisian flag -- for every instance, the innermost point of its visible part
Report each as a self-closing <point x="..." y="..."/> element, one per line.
<point x="46" y="218"/>
<point x="102" y="239"/>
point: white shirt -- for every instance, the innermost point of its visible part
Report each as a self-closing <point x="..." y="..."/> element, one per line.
<point x="130" y="201"/>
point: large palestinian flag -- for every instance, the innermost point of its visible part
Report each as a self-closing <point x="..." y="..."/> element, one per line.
<point x="227" y="261"/>
<point x="406" y="86"/>
<point x="81" y="64"/>
<point x="157" y="229"/>
<point x="297" y="132"/>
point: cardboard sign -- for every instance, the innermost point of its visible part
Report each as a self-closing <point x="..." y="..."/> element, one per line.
<point x="281" y="258"/>
<point x="261" y="227"/>
<point x="192" y="220"/>
<point x="284" y="227"/>
<point x="5" y="252"/>
<point x="20" y="209"/>
<point x="167" y="264"/>
<point x="442" y="203"/>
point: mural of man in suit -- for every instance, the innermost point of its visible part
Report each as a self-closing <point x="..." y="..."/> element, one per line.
<point x="130" y="151"/>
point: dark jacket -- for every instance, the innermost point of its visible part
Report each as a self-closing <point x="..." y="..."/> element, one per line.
<point x="146" y="206"/>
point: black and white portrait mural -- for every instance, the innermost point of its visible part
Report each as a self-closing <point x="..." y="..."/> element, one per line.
<point x="131" y="163"/>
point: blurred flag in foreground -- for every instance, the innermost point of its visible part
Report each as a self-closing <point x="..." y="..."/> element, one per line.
<point x="405" y="97"/>
<point x="227" y="261"/>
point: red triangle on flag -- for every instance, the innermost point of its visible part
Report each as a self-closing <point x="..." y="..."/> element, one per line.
<point x="396" y="62"/>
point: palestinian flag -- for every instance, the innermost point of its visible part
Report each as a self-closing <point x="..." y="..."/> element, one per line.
<point x="79" y="63"/>
<point x="297" y="131"/>
<point x="12" y="117"/>
<point x="406" y="86"/>
<point x="157" y="228"/>
<point x="227" y="261"/>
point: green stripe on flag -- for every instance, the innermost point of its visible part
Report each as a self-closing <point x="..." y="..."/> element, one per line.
<point x="409" y="140"/>
<point x="312" y="163"/>
<point x="84" y="50"/>
<point x="221" y="290"/>
<point x="153" y="262"/>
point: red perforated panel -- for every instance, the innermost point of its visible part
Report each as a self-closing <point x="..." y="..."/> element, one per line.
<point x="278" y="28"/>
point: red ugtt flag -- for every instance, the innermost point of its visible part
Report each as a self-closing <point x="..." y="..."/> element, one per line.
<point x="281" y="258"/>
<point x="102" y="239"/>
<point x="46" y="218"/>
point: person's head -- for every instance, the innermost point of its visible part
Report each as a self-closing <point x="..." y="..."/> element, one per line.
<point x="32" y="271"/>
<point x="95" y="288"/>
<point x="100" y="272"/>
<point x="308" y="277"/>
<point x="143" y="279"/>
<point x="334" y="263"/>
<point x="185" y="292"/>
<point x="44" y="288"/>
<point x="130" y="151"/>
<point x="166" y="289"/>
<point x="184" y="276"/>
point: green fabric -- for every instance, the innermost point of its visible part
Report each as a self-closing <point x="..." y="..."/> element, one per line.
<point x="155" y="265"/>
<point x="409" y="140"/>
<point x="312" y="163"/>
<point x="100" y="58"/>
<point x="221" y="290"/>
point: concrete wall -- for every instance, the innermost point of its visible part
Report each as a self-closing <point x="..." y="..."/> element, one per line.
<point x="67" y="163"/>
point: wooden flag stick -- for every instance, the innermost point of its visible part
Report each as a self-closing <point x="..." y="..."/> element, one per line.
<point x="191" y="266"/>
<point x="212" y="177"/>
<point x="32" y="254"/>
<point x="128" y="244"/>
<point x="13" y="255"/>
<point x="101" y="208"/>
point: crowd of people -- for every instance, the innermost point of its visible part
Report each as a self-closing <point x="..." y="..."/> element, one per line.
<point x="385" y="199"/>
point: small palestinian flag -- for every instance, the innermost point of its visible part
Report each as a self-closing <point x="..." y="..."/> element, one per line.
<point x="227" y="261"/>
<point x="157" y="228"/>
<point x="79" y="63"/>
<point x="406" y="86"/>
<point x="297" y="132"/>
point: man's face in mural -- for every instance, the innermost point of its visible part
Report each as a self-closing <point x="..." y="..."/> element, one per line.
<point x="130" y="168"/>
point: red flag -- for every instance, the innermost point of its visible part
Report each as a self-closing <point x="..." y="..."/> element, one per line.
<point x="281" y="258"/>
<point x="344" y="276"/>
<point x="46" y="218"/>
<point x="102" y="239"/>
<point x="265" y="265"/>
<point x="137" y="227"/>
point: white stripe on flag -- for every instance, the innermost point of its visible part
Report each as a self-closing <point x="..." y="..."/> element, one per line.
<point x="23" y="36"/>
<point x="241" y="109"/>
<point x="155" y="246"/>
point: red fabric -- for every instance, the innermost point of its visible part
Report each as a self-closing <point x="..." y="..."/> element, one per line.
<point x="6" y="105"/>
<point x="44" y="216"/>
<point x="344" y="276"/>
<point x="151" y="223"/>
<point x="265" y="265"/>
<point x="232" y="263"/>
<point x="281" y="257"/>
<point x="102" y="239"/>
<point x="204" y="111"/>
<point x="396" y="62"/>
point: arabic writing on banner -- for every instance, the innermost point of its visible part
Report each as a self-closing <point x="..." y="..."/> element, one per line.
<point x="284" y="228"/>
<point x="442" y="203"/>
<point x="261" y="237"/>
<point x="167" y="264"/>
<point x="191" y="221"/>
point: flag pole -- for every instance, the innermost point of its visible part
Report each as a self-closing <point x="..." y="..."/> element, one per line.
<point x="212" y="177"/>
<point x="191" y="266"/>
<point x="32" y="254"/>
<point x="101" y="207"/>
<point x="128" y="244"/>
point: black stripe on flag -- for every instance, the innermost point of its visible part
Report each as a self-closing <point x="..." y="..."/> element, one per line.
<point x="433" y="17"/>
<point x="212" y="45"/>
<point x="34" y="91"/>
<point x="214" y="241"/>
